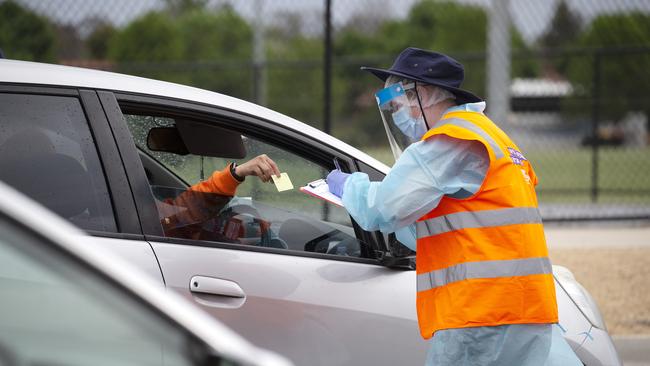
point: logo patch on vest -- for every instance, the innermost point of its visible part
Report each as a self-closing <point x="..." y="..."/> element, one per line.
<point x="516" y="156"/>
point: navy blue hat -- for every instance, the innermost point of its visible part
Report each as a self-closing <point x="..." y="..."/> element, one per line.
<point x="429" y="67"/>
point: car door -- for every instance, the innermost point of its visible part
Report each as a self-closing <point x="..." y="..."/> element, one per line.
<point x="296" y="275"/>
<point x="57" y="148"/>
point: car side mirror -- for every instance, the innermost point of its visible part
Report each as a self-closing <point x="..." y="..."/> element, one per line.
<point x="166" y="139"/>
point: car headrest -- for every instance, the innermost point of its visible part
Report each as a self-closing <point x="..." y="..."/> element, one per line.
<point x="29" y="163"/>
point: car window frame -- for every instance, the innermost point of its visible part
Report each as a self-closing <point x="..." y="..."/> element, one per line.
<point x="250" y="125"/>
<point x="122" y="203"/>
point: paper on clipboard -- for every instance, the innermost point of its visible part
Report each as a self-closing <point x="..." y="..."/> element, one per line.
<point x="320" y="189"/>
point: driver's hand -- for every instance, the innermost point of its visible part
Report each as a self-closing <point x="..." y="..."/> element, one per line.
<point x="261" y="166"/>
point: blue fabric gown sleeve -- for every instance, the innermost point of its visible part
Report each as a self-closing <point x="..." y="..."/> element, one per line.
<point x="424" y="173"/>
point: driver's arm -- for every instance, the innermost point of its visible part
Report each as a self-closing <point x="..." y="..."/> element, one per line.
<point x="206" y="198"/>
<point x="199" y="202"/>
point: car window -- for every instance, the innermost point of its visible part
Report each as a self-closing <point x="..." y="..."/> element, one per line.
<point x="258" y="214"/>
<point x="47" y="152"/>
<point x="57" y="311"/>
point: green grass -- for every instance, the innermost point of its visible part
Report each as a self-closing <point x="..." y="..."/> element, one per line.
<point x="566" y="175"/>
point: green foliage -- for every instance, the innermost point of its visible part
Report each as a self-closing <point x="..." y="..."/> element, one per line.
<point x="25" y="35"/>
<point x="223" y="36"/>
<point x="624" y="79"/>
<point x="181" y="6"/>
<point x="295" y="86"/>
<point x="564" y="28"/>
<point x="98" y="41"/>
<point x="563" y="32"/>
<point x="153" y="37"/>
<point x="214" y="43"/>
<point x="524" y="61"/>
<point x="443" y="26"/>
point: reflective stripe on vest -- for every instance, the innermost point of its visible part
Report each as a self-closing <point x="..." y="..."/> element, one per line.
<point x="477" y="219"/>
<point x="498" y="153"/>
<point x="483" y="269"/>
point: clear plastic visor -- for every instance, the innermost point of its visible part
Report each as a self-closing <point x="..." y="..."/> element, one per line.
<point x="395" y="106"/>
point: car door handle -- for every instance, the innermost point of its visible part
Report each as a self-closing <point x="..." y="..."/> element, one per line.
<point x="216" y="286"/>
<point x="216" y="292"/>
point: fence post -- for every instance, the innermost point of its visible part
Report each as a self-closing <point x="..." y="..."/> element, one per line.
<point x="259" y="56"/>
<point x="595" y="119"/>
<point x="327" y="68"/>
<point x="498" y="63"/>
<point x="327" y="81"/>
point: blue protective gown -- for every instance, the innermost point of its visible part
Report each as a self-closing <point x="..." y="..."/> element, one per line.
<point x="425" y="172"/>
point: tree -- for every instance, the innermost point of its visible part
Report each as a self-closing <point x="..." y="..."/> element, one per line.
<point x="200" y="47"/>
<point x="71" y="45"/>
<point x="221" y="43"/>
<point x="98" y="41"/>
<point x="624" y="81"/>
<point x="563" y="31"/>
<point x="179" y="7"/>
<point x="295" y="74"/>
<point x="25" y="35"/>
<point x="444" y="26"/>
<point x="151" y="38"/>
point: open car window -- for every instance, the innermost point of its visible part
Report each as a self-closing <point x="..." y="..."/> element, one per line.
<point x="257" y="214"/>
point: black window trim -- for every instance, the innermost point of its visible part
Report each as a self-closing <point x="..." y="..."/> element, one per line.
<point x="123" y="204"/>
<point x="253" y="126"/>
<point x="38" y="89"/>
<point x="145" y="206"/>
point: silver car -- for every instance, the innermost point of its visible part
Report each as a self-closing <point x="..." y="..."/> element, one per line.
<point x="65" y="303"/>
<point x="115" y="154"/>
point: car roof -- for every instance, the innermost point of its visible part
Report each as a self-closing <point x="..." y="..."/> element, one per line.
<point x="63" y="235"/>
<point x="26" y="72"/>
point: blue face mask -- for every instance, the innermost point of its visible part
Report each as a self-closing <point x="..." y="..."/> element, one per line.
<point x="414" y="128"/>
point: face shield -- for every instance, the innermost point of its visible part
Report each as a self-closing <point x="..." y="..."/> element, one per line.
<point x="401" y="115"/>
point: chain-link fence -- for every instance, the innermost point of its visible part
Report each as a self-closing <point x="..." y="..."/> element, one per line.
<point x="568" y="79"/>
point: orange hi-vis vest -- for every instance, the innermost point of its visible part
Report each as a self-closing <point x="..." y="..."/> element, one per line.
<point x="483" y="261"/>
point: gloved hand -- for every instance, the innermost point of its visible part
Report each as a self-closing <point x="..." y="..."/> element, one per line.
<point x="336" y="180"/>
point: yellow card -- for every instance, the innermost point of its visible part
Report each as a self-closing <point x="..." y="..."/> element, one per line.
<point x="283" y="183"/>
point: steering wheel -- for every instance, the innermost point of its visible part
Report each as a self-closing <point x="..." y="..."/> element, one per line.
<point x="242" y="224"/>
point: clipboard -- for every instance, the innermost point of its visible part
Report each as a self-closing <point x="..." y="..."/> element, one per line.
<point x="320" y="189"/>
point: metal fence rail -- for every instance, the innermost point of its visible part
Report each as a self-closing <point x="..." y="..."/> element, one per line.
<point x="576" y="96"/>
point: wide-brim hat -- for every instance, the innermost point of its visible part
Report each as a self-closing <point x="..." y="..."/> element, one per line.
<point x="429" y="67"/>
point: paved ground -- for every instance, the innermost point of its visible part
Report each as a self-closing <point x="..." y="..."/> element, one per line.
<point x="634" y="350"/>
<point x="613" y="263"/>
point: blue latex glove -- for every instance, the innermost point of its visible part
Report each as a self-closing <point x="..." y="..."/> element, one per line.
<point x="336" y="180"/>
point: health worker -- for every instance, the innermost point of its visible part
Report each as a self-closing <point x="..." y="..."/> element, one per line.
<point x="462" y="195"/>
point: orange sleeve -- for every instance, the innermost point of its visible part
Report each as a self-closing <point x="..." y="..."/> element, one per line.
<point x="220" y="182"/>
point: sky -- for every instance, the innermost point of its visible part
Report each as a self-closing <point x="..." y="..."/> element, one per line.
<point x="531" y="17"/>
